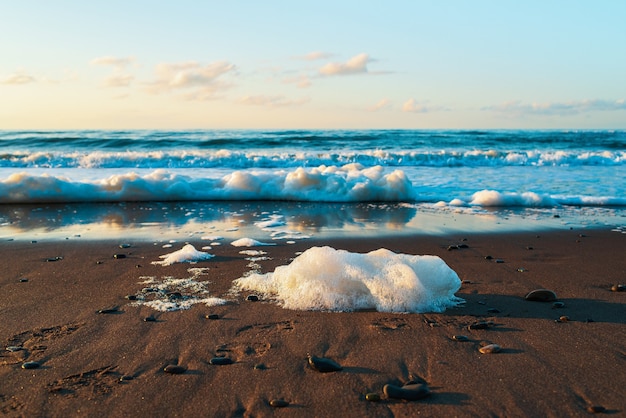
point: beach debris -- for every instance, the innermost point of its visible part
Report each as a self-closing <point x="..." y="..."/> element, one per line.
<point x="323" y="365"/>
<point x="490" y="349"/>
<point x="31" y="365"/>
<point x="461" y="338"/>
<point x="541" y="295"/>
<point x="279" y="403"/>
<point x="411" y="391"/>
<point x="220" y="361"/>
<point x="618" y="288"/>
<point x="372" y="397"/>
<point x="174" y="369"/>
<point x="252" y="298"/>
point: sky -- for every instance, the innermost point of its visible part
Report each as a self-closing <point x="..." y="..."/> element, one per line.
<point x="352" y="64"/>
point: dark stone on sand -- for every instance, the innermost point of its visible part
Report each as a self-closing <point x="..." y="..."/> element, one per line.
<point x="466" y="282"/>
<point x="53" y="259"/>
<point x="409" y="392"/>
<point x="324" y="365"/>
<point x="461" y="246"/>
<point x="174" y="369"/>
<point x="488" y="257"/>
<point x="174" y="295"/>
<point x="372" y="397"/>
<point x="118" y="256"/>
<point x="149" y="319"/>
<point x="529" y="248"/>
<point x="108" y="310"/>
<point x="220" y="361"/>
<point x="490" y="349"/>
<point x="98" y="262"/>
<point x="212" y="316"/>
<point x="541" y="295"/>
<point x="131" y="297"/>
<point x="479" y="325"/>
<point x="461" y="338"/>
<point x="260" y="366"/>
<point x="126" y="378"/>
<point x="124" y="245"/>
<point x="596" y="409"/>
<point x="23" y="280"/>
<point x="252" y="298"/>
<point x="453" y="247"/>
<point x="279" y="403"/>
<point x="499" y="261"/>
<point x="618" y="288"/>
<point x="31" y="365"/>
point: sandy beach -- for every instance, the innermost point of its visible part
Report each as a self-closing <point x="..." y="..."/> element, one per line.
<point x="555" y="360"/>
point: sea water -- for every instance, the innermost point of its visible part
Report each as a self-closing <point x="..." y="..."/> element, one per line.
<point x="294" y="184"/>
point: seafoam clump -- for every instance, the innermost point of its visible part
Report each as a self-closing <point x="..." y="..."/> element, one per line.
<point x="187" y="254"/>
<point x="323" y="278"/>
<point x="248" y="242"/>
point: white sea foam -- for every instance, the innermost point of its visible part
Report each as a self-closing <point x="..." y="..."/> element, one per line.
<point x="248" y="242"/>
<point x="323" y="278"/>
<point x="186" y="254"/>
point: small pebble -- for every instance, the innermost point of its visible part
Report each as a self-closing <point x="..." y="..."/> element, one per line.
<point x="409" y="392"/>
<point x="149" y="319"/>
<point x="488" y="257"/>
<point x="52" y="259"/>
<point x="118" y="256"/>
<point x="23" y="280"/>
<point x="596" y="409"/>
<point x="220" y="361"/>
<point x="279" y="403"/>
<point x="564" y="318"/>
<point x="490" y="349"/>
<point x="461" y="338"/>
<point x="618" y="288"/>
<point x="124" y="245"/>
<point x="466" y="282"/>
<point x="463" y="246"/>
<point x="107" y="310"/>
<point x="212" y="316"/>
<point x="372" y="397"/>
<point x="323" y="365"/>
<point x="98" y="262"/>
<point x="499" y="261"/>
<point x="521" y="269"/>
<point x="529" y="248"/>
<point x="541" y="295"/>
<point x="31" y="365"/>
<point x="131" y="297"/>
<point x="174" y="369"/>
<point x="260" y="366"/>
<point x="252" y="298"/>
<point x="479" y="325"/>
<point x="126" y="378"/>
<point x="453" y="247"/>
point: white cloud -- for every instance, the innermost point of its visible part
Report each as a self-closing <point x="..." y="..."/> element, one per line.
<point x="315" y="55"/>
<point x="355" y="65"/>
<point x="382" y="104"/>
<point x="18" y="78"/>
<point x="200" y="82"/>
<point x="301" y="81"/>
<point x="118" y="80"/>
<point x="413" y="106"/>
<point x="558" y="108"/>
<point x="117" y="62"/>
<point x="271" y="101"/>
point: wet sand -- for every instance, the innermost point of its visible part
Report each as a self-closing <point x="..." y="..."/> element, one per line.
<point x="111" y="364"/>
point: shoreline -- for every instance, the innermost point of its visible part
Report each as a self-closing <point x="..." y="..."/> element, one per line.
<point x="110" y="364"/>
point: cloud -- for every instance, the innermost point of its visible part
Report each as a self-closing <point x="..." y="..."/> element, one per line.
<point x="271" y="101"/>
<point x="413" y="106"/>
<point x="301" y="81"/>
<point x="118" y="80"/>
<point x="558" y="108"/>
<point x="200" y="82"/>
<point x="18" y="78"/>
<point x="355" y="65"/>
<point x="117" y="62"/>
<point x="315" y="55"/>
<point x="382" y="104"/>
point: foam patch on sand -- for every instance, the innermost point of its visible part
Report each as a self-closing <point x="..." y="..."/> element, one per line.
<point x="187" y="254"/>
<point x="171" y="294"/>
<point x="323" y="278"/>
<point x="248" y="242"/>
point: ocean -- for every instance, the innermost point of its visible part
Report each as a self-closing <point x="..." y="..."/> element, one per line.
<point x="311" y="181"/>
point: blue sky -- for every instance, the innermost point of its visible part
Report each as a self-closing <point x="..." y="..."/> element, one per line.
<point x="325" y="64"/>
